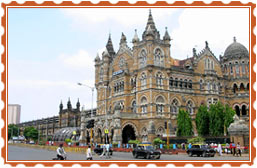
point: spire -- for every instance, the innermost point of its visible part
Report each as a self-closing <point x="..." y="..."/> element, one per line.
<point x="194" y="52"/>
<point x="69" y="104"/>
<point x="166" y="35"/>
<point x="123" y="39"/>
<point x="78" y="104"/>
<point x="151" y="26"/>
<point x="234" y="39"/>
<point x="150" y="20"/>
<point x="109" y="46"/>
<point x="97" y="58"/>
<point x="61" y="106"/>
<point x="135" y="39"/>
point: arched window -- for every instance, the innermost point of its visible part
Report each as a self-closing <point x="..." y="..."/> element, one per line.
<point x="190" y="86"/>
<point x="237" y="109"/>
<point x="247" y="87"/>
<point x="244" y="110"/>
<point x="208" y="64"/>
<point x="174" y="106"/>
<point x="160" y="105"/>
<point x="185" y="83"/>
<point x="190" y="108"/>
<point x="171" y="82"/>
<point x="214" y="86"/>
<point x="144" y="105"/>
<point x="208" y="86"/>
<point x="101" y="74"/>
<point x="212" y="65"/>
<point x="201" y="84"/>
<point x="142" y="58"/>
<point x="243" y="67"/>
<point x="242" y="88"/>
<point x="176" y="82"/>
<point x="237" y="68"/>
<point x="225" y="69"/>
<point x="159" y="79"/>
<point x="235" y="88"/>
<point x="134" y="107"/>
<point x="231" y="68"/>
<point x="143" y="80"/>
<point x="181" y="83"/>
<point x="158" y="57"/>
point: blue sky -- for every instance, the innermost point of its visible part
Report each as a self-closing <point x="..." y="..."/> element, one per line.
<point x="50" y="50"/>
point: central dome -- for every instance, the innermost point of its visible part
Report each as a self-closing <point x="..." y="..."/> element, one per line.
<point x="236" y="50"/>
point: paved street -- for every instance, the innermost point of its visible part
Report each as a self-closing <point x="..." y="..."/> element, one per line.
<point x="22" y="153"/>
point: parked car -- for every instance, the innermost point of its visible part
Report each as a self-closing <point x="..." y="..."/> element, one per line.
<point x="99" y="149"/>
<point x="201" y="150"/>
<point x="147" y="151"/>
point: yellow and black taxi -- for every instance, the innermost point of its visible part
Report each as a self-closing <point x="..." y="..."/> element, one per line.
<point x="99" y="149"/>
<point x="146" y="151"/>
<point x="201" y="150"/>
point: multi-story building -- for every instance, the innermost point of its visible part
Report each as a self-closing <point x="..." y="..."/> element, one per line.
<point x="140" y="88"/>
<point x="14" y="113"/>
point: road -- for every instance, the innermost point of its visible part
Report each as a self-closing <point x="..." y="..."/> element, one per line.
<point x="23" y="153"/>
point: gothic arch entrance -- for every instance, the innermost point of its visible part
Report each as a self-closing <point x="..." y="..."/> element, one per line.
<point x="237" y="109"/>
<point x="128" y="133"/>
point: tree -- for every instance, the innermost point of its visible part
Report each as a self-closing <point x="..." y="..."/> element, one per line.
<point x="196" y="140"/>
<point x="202" y="120"/>
<point x="31" y="133"/>
<point x="228" y="118"/>
<point x="184" y="124"/>
<point x="12" y="131"/>
<point x="216" y="125"/>
<point x="158" y="141"/>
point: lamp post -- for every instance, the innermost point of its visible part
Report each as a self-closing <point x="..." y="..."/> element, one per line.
<point x="92" y="88"/>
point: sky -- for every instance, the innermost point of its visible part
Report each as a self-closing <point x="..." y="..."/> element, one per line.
<point x="51" y="50"/>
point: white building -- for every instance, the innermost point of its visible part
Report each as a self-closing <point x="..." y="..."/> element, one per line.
<point x="14" y="113"/>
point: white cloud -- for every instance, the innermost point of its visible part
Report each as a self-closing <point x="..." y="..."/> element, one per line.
<point x="81" y="59"/>
<point x="128" y="17"/>
<point x="217" y="26"/>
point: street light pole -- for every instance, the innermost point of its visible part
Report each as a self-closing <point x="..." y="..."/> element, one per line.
<point x="92" y="88"/>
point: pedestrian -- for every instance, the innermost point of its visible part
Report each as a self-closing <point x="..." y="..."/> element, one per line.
<point x="107" y="151"/>
<point x="61" y="154"/>
<point x="89" y="153"/>
<point x="189" y="146"/>
<point x="234" y="148"/>
<point x="220" y="149"/>
<point x="238" y="149"/>
<point x="174" y="147"/>
<point x="104" y="151"/>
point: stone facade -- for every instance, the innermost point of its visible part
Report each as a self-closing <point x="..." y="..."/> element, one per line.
<point x="140" y="88"/>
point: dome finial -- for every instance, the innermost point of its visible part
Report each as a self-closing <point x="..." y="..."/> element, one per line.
<point x="234" y="39"/>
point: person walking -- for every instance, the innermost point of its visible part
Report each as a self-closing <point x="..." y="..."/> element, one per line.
<point x="89" y="153"/>
<point x="189" y="146"/>
<point x="220" y="149"/>
<point x="107" y="151"/>
<point x="61" y="154"/>
<point x="104" y="151"/>
<point x="238" y="149"/>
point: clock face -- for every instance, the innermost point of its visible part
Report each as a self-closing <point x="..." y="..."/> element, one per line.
<point x="121" y="62"/>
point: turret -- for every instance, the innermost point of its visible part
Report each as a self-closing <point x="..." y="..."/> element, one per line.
<point x="61" y="107"/>
<point x="123" y="40"/>
<point x="69" y="105"/>
<point x="150" y="29"/>
<point x="109" y="47"/>
<point x="135" y="39"/>
<point x="78" y="105"/>
<point x="166" y="36"/>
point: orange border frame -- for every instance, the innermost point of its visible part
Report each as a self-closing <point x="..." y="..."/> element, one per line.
<point x="124" y="4"/>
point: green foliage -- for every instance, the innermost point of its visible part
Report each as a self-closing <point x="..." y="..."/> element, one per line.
<point x="202" y="120"/>
<point x="216" y="125"/>
<point x="229" y="114"/>
<point x="31" y="133"/>
<point x="196" y="140"/>
<point x="12" y="130"/>
<point x="158" y="141"/>
<point x="184" y="124"/>
<point x="67" y="140"/>
<point x="133" y="142"/>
